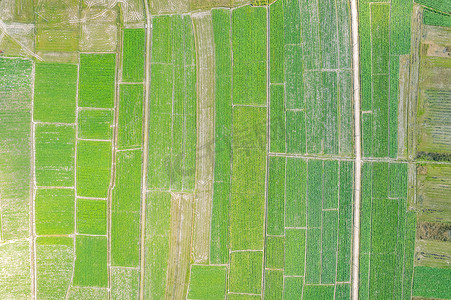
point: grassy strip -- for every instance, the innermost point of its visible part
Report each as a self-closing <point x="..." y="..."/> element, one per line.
<point x="315" y="193"/>
<point x="310" y="32"/>
<point x="296" y="193"/>
<point x="276" y="42"/>
<point x="157" y="243"/>
<point x="294" y="252"/>
<point x="328" y="32"/>
<point x="329" y="246"/>
<point x="330" y="188"/>
<point x="345" y="114"/>
<point x="276" y="197"/>
<point x="294" y="77"/>
<point x="330" y="114"/>
<point x="277" y="117"/>
<point x="345" y="221"/>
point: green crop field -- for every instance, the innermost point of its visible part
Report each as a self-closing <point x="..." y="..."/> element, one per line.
<point x="95" y="124"/>
<point x="93" y="168"/>
<point x="97" y="77"/>
<point x="192" y="150"/>
<point x="55" y="91"/>
<point x="91" y="216"/>
<point x="54" y="211"/>
<point x="55" y="155"/>
<point x="133" y="57"/>
<point x="54" y="261"/>
<point x="130" y="116"/>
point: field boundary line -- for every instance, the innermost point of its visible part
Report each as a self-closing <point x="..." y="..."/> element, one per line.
<point x="358" y="149"/>
<point x="145" y="151"/>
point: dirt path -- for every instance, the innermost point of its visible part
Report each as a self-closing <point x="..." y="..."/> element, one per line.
<point x="358" y="149"/>
<point x="145" y="152"/>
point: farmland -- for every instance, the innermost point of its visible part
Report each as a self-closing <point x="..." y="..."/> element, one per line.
<point x="224" y="150"/>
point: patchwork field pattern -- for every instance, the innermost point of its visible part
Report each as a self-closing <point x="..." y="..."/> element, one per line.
<point x="207" y="150"/>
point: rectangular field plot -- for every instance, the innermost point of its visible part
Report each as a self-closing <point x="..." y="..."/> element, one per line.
<point x="172" y="155"/>
<point x="126" y="209"/>
<point x="130" y="116"/>
<point x="223" y="130"/>
<point x="276" y="196"/>
<point x="124" y="283"/>
<point x="158" y="218"/>
<point x="134" y="45"/>
<point x="54" y="211"/>
<point x="248" y="180"/>
<point x="97" y="80"/>
<point x="386" y="250"/>
<point x="275" y="251"/>
<point x="55" y="155"/>
<point x="55" y="92"/>
<point x="93" y="168"/>
<point x="13" y="283"/>
<point x="294" y="252"/>
<point x="249" y="55"/>
<point x="95" y="124"/>
<point x="273" y="284"/>
<point x="245" y="274"/>
<point x="293" y="287"/>
<point x="81" y="293"/>
<point x="207" y="282"/>
<point x="54" y="265"/>
<point x="15" y="148"/>
<point x="91" y="262"/>
<point x="431" y="282"/>
<point x="91" y="216"/>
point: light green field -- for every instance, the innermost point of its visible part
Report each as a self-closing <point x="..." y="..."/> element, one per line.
<point x="130" y="116"/>
<point x="55" y="155"/>
<point x="134" y="55"/>
<point x="245" y="275"/>
<point x="54" y="210"/>
<point x="97" y="80"/>
<point x="93" y="168"/>
<point x="91" y="261"/>
<point x="207" y="282"/>
<point x="91" y="216"/>
<point x="55" y="92"/>
<point x="15" y="149"/>
<point x="95" y="124"/>
<point x="54" y="262"/>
